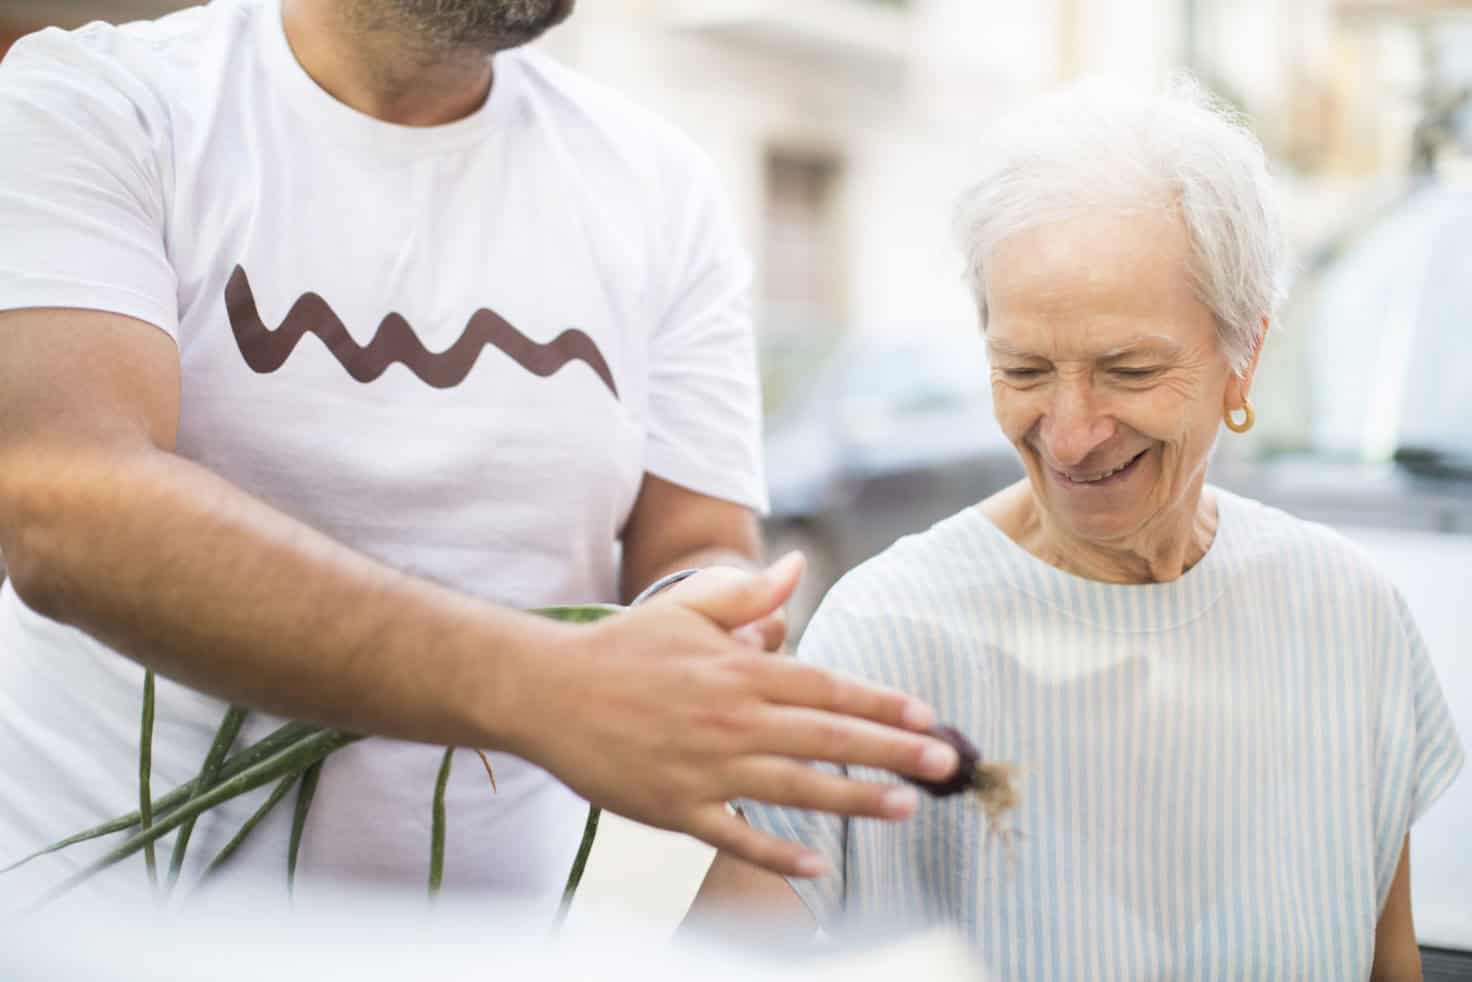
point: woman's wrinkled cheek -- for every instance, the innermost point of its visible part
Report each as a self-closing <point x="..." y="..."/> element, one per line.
<point x="1183" y="457"/>
<point x="1017" y="414"/>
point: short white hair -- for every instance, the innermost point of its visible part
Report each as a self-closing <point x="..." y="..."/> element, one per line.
<point x="1096" y="144"/>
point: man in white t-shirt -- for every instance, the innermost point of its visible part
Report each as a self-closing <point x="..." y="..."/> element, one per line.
<point x="331" y="333"/>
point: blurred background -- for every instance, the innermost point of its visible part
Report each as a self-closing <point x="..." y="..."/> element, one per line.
<point x="844" y="130"/>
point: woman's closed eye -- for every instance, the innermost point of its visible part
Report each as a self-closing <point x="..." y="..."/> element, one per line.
<point x="1022" y="374"/>
<point x="1134" y="373"/>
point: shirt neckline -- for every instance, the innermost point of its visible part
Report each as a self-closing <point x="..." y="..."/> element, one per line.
<point x="1124" y="608"/>
<point x="345" y="124"/>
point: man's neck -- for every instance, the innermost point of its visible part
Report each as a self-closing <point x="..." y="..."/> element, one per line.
<point x="381" y="69"/>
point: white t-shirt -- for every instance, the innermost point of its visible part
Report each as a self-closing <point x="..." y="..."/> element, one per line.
<point x="457" y="349"/>
<point x="1219" y="771"/>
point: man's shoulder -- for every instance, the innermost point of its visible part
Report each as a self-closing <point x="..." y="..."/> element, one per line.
<point x="174" y="39"/>
<point x="150" y="63"/>
<point x="591" y="112"/>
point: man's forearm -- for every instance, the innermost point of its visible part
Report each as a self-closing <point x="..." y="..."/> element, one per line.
<point x="702" y="558"/>
<point x="190" y="576"/>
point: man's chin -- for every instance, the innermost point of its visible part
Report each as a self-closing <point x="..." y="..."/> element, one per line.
<point x="479" y="24"/>
<point x="560" y="11"/>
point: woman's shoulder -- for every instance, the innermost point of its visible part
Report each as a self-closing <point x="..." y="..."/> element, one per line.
<point x="959" y="554"/>
<point x="1264" y="538"/>
<point x="925" y="583"/>
<point x="916" y="616"/>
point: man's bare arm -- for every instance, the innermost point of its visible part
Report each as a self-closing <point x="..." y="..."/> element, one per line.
<point x="673" y="528"/>
<point x="658" y="714"/>
<point x="107" y="530"/>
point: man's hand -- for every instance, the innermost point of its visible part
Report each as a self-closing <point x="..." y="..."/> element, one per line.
<point x="765" y="634"/>
<point x="661" y="715"/>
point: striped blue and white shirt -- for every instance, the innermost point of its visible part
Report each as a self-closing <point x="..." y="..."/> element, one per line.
<point x="1220" y="770"/>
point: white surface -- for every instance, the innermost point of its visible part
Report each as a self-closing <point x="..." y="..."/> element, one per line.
<point x="639" y="874"/>
<point x="374" y="939"/>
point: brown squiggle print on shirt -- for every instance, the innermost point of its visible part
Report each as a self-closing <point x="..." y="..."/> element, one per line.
<point x="266" y="350"/>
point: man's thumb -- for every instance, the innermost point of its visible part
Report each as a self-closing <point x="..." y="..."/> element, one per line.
<point x="733" y="605"/>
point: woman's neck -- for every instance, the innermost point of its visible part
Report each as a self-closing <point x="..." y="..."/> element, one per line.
<point x="1172" y="543"/>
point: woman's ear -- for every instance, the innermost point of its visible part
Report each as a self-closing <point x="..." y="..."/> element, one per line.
<point x="1239" y="385"/>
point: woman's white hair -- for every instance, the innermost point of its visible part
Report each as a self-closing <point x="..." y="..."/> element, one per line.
<point x="1096" y="144"/>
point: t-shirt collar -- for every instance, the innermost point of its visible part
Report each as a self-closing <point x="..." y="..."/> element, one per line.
<point x="341" y="122"/>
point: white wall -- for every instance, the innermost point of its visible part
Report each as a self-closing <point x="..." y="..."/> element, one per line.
<point x="906" y="127"/>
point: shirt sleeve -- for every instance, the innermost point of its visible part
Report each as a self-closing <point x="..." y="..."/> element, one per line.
<point x="1438" y="753"/>
<point x="824" y="833"/>
<point x="704" y="395"/>
<point x="1419" y="751"/>
<point x="81" y="193"/>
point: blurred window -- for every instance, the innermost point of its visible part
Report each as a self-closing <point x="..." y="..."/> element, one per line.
<point x="1388" y="341"/>
<point x="1438" y="406"/>
<point x="803" y="286"/>
<point x="912" y="380"/>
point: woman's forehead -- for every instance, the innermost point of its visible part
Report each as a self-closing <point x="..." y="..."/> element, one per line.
<point x="1100" y="282"/>
<point x="1089" y="251"/>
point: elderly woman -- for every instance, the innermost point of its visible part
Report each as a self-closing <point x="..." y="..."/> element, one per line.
<point x="1226" y="719"/>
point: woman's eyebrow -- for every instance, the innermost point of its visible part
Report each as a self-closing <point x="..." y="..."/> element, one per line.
<point x="1004" y="348"/>
<point x="1153" y="345"/>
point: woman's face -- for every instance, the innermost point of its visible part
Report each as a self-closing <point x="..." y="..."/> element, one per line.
<point x="1106" y="371"/>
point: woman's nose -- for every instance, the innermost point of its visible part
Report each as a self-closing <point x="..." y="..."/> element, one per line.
<point x="1074" y="426"/>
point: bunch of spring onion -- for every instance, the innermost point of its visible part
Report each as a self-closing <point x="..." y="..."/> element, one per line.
<point x="290" y="758"/>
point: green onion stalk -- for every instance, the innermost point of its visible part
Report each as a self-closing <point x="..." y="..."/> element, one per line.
<point x="290" y="757"/>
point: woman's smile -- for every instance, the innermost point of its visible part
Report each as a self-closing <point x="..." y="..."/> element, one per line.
<point x="1086" y="481"/>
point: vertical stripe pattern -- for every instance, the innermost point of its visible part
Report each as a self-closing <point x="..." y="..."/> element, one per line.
<point x="1220" y="770"/>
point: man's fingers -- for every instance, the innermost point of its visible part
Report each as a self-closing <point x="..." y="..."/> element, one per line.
<point x="812" y="734"/>
<point x="766" y="634"/>
<point x="732" y="835"/>
<point x="750" y="635"/>
<point x="745" y="601"/>
<point x="780" y="781"/>
<point x="794" y="683"/>
<point x="773" y="631"/>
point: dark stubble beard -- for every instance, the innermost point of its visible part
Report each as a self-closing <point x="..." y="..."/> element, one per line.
<point x="448" y="25"/>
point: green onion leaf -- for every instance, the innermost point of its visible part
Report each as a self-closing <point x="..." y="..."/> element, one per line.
<point x="281" y="737"/>
<point x="437" y="826"/>
<point x="224" y="740"/>
<point x="299" y="821"/>
<point x="274" y="798"/>
<point x="145" y="767"/>
<point x="575" y="875"/>
<point x="291" y="760"/>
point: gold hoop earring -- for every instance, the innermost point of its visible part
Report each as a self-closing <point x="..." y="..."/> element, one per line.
<point x="1249" y="416"/>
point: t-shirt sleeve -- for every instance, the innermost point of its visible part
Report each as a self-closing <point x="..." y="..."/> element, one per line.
<point x="824" y="833"/>
<point x="81" y="193"/>
<point x="704" y="395"/>
<point x="1419" y="750"/>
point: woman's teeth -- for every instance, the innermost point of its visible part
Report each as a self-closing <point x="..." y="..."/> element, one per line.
<point x="1091" y="478"/>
